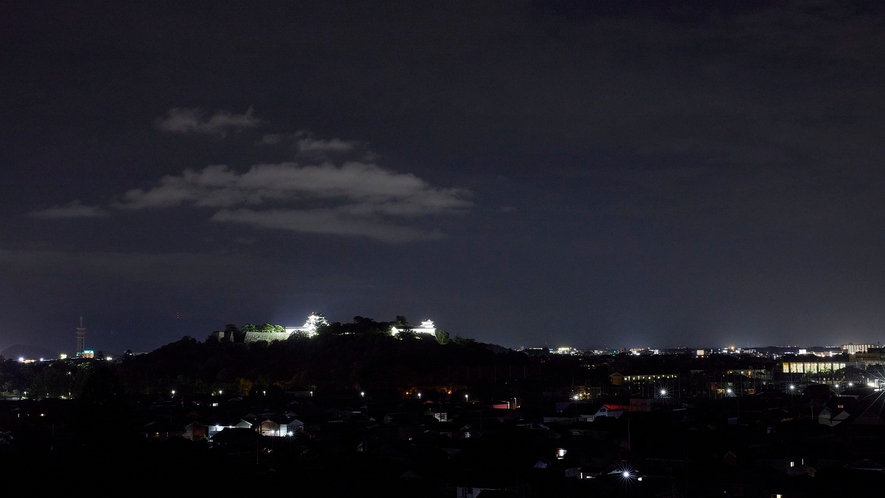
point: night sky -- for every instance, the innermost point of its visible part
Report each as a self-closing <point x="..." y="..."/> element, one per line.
<point x="593" y="174"/>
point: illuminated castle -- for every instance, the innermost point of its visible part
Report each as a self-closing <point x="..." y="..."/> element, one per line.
<point x="309" y="329"/>
<point x="277" y="333"/>
<point x="427" y="327"/>
<point x="314" y="320"/>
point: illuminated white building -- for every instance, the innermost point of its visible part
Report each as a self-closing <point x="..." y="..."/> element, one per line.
<point x="856" y="348"/>
<point x="314" y="320"/>
<point x="566" y="350"/>
<point x="426" y="327"/>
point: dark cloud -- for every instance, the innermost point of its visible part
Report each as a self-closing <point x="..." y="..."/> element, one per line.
<point x="326" y="221"/>
<point x="73" y="209"/>
<point x="352" y="199"/>
<point x="180" y="120"/>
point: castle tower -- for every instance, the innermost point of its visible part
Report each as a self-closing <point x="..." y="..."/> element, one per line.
<point x="81" y="338"/>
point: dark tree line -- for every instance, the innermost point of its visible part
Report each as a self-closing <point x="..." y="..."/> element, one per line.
<point x="360" y="355"/>
<point x="342" y="356"/>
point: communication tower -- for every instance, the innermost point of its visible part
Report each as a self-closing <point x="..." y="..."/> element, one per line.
<point x="81" y="338"/>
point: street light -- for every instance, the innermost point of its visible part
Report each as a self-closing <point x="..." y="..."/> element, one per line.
<point x="628" y="476"/>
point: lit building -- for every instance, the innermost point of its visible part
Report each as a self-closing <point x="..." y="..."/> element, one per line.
<point x="644" y="378"/>
<point x="809" y="366"/>
<point x="427" y="327"/>
<point x="278" y="333"/>
<point x="569" y="351"/>
<point x="856" y="348"/>
<point x="314" y="321"/>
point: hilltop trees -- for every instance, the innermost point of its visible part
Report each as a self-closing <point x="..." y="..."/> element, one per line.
<point x="232" y="334"/>
<point x="341" y="356"/>
<point x="360" y="326"/>
<point x="267" y="327"/>
<point x="361" y="355"/>
<point x="15" y="377"/>
<point x="52" y="380"/>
